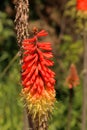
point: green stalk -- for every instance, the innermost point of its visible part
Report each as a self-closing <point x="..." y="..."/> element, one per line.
<point x="71" y="95"/>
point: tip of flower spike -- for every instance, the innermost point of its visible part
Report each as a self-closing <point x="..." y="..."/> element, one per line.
<point x="39" y="34"/>
<point x="35" y="30"/>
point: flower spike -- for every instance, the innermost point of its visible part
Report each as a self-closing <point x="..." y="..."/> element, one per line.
<point x="37" y="78"/>
<point x="72" y="80"/>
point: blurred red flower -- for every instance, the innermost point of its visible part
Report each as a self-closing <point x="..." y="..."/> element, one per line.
<point x="72" y="80"/>
<point x="82" y="5"/>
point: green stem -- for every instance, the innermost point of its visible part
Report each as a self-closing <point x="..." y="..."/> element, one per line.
<point x="71" y="94"/>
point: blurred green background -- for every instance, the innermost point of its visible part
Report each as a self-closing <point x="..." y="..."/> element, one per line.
<point x="60" y="20"/>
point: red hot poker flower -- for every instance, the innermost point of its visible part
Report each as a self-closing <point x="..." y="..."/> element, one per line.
<point x="37" y="78"/>
<point x="72" y="80"/>
<point x="82" y="5"/>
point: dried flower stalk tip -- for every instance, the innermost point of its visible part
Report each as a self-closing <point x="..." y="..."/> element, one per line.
<point x="37" y="78"/>
<point x="72" y="80"/>
<point x="21" y="20"/>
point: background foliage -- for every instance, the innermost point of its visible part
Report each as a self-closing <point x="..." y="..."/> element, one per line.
<point x="67" y="45"/>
